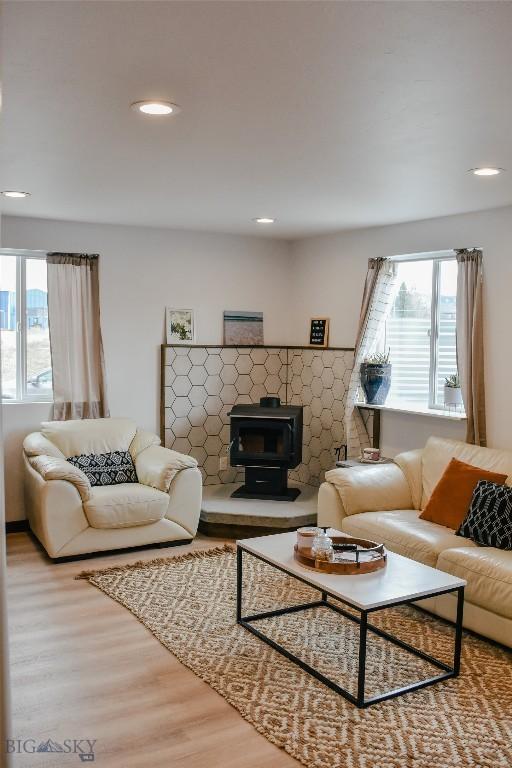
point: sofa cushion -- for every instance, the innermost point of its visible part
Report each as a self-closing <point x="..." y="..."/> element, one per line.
<point x="451" y="498"/>
<point x="107" y="468"/>
<point x="85" y="436"/>
<point x="489" y="520"/>
<point x="121" y="506"/>
<point x="439" y="451"/>
<point x="488" y="573"/>
<point x="402" y="531"/>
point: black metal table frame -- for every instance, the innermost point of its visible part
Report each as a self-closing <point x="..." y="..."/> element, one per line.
<point x="364" y="627"/>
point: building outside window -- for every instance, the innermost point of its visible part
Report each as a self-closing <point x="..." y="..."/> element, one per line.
<point x="26" y="359"/>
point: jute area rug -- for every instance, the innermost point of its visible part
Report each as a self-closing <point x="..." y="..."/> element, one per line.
<point x="188" y="603"/>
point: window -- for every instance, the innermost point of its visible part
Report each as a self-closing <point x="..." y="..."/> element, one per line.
<point x="420" y="330"/>
<point x="25" y="340"/>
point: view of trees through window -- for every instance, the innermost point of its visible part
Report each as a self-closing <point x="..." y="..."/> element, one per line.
<point x="420" y="330"/>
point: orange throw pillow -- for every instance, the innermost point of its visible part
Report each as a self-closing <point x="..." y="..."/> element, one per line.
<point x="451" y="497"/>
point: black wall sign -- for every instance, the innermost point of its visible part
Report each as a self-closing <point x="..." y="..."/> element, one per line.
<point x="319" y="332"/>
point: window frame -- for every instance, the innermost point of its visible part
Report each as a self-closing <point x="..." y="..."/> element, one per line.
<point x="437" y="258"/>
<point x="22" y="396"/>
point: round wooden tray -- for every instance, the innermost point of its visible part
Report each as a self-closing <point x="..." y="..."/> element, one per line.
<point x="369" y="556"/>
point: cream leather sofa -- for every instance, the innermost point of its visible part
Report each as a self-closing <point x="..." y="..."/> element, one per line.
<point x="384" y="503"/>
<point x="70" y="518"/>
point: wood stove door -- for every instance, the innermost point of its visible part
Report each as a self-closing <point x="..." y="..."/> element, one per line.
<point x="260" y="440"/>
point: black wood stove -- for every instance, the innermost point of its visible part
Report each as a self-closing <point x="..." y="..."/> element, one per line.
<point x="266" y="439"/>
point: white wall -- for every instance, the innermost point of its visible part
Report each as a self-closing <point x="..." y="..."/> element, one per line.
<point x="18" y="421"/>
<point x="143" y="270"/>
<point x="404" y="431"/>
<point x="329" y="273"/>
<point x="5" y="682"/>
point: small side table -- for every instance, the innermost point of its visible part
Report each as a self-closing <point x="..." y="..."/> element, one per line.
<point x="349" y="463"/>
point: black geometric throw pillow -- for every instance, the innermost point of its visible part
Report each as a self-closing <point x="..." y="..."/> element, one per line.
<point x="489" y="518"/>
<point x="107" y="468"/>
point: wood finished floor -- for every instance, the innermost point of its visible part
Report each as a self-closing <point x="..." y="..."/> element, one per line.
<point x="84" y="667"/>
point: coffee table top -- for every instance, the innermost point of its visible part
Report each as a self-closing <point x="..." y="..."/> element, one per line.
<point x="401" y="579"/>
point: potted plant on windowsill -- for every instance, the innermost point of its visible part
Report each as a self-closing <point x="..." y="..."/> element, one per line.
<point x="452" y="391"/>
<point x="375" y="374"/>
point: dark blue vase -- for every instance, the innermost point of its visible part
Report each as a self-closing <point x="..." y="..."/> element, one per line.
<point x="376" y="381"/>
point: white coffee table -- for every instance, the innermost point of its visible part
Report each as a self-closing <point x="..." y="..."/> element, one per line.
<point x="400" y="582"/>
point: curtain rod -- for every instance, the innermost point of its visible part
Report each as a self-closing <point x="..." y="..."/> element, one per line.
<point x="425" y="256"/>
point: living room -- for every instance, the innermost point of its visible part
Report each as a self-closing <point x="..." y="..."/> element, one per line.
<point x="305" y="190"/>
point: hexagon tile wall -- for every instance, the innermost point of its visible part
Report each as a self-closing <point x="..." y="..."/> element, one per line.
<point x="201" y="384"/>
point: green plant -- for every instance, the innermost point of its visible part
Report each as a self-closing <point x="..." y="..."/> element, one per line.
<point x="378" y="358"/>
<point x="180" y="330"/>
<point x="452" y="381"/>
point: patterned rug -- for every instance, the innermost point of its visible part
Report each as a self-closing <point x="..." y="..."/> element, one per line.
<point x="188" y="603"/>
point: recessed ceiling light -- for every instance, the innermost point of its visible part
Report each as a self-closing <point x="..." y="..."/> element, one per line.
<point x="156" y="107"/>
<point x="264" y="220"/>
<point x="486" y="171"/>
<point x="15" y="193"/>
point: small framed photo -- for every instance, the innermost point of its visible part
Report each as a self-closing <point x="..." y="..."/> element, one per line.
<point x="180" y="326"/>
<point x="319" y="332"/>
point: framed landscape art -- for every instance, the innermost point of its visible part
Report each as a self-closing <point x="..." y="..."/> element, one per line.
<point x="243" y="328"/>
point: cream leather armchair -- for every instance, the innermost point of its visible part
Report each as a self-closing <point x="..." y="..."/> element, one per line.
<point x="384" y="503"/>
<point x="71" y="517"/>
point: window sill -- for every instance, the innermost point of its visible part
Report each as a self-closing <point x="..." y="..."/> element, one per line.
<point x="27" y="402"/>
<point x="416" y="410"/>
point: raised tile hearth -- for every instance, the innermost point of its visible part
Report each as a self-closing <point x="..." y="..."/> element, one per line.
<point x="224" y="516"/>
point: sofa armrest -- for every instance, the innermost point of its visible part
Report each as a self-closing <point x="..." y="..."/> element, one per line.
<point x="185" y="496"/>
<point x="36" y="444"/>
<point x="330" y="507"/>
<point x="156" y="466"/>
<point x="410" y="464"/>
<point x="373" y="489"/>
<point x="142" y="440"/>
<point x="54" y="510"/>
<point x="52" y="468"/>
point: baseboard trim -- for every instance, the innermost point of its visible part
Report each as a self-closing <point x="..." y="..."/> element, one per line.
<point x="229" y="531"/>
<point x="16" y="526"/>
<point x="105" y="552"/>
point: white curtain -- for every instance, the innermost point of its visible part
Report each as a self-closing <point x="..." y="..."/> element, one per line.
<point x="378" y="295"/>
<point x="75" y="337"/>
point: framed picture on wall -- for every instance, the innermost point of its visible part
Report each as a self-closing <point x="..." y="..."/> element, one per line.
<point x="243" y="328"/>
<point x="180" y="326"/>
<point x="319" y="332"/>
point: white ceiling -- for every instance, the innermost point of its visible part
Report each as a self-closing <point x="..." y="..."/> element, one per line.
<point x="325" y="115"/>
